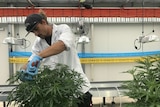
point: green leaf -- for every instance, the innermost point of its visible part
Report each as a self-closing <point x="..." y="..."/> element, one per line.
<point x="145" y="86"/>
<point x="51" y="87"/>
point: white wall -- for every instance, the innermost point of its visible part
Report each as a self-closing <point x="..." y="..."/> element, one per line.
<point x="4" y="64"/>
<point x="106" y="38"/>
<point x="29" y="41"/>
<point x="117" y="38"/>
<point x="120" y="37"/>
<point x="30" y="38"/>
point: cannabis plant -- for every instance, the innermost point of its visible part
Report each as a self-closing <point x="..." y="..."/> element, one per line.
<point x="145" y="86"/>
<point x="59" y="87"/>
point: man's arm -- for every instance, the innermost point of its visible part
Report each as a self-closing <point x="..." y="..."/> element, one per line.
<point x="54" y="49"/>
<point x="24" y="67"/>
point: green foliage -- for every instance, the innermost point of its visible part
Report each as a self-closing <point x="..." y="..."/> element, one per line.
<point x="59" y="87"/>
<point x="145" y="86"/>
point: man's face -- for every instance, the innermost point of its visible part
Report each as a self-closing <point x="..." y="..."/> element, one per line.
<point x="41" y="30"/>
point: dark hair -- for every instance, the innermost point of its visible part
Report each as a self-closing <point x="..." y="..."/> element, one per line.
<point x="43" y="14"/>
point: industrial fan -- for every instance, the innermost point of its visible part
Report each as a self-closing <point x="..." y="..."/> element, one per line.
<point x="81" y="28"/>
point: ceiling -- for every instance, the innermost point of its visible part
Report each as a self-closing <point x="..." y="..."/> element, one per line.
<point x="76" y="3"/>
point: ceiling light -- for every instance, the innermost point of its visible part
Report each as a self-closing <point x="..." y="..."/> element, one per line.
<point x="148" y="38"/>
<point x="81" y="1"/>
<point x="145" y="39"/>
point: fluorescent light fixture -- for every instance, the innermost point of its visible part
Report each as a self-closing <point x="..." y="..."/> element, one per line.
<point x="83" y="39"/>
<point x="148" y="38"/>
<point x="13" y="41"/>
<point x="81" y="1"/>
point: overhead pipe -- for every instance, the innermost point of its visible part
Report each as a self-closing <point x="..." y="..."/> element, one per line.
<point x="12" y="67"/>
<point x="31" y="3"/>
<point x="91" y="47"/>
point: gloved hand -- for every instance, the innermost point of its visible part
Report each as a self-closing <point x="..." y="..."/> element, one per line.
<point x="32" y="67"/>
<point x="24" y="76"/>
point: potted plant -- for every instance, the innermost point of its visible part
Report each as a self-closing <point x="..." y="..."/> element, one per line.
<point x="59" y="87"/>
<point x="145" y="86"/>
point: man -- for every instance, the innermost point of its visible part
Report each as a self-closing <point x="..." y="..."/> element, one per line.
<point x="54" y="44"/>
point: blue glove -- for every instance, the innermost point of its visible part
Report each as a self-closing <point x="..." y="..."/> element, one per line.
<point x="32" y="67"/>
<point x="24" y="76"/>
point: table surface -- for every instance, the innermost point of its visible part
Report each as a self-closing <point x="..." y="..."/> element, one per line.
<point x="99" y="89"/>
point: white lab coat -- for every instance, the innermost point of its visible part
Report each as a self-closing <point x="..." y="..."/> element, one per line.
<point x="69" y="56"/>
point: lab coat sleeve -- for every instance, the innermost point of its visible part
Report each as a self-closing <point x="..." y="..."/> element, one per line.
<point x="67" y="37"/>
<point x="35" y="48"/>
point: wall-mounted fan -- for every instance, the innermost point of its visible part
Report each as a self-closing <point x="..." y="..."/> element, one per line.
<point x="81" y="28"/>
